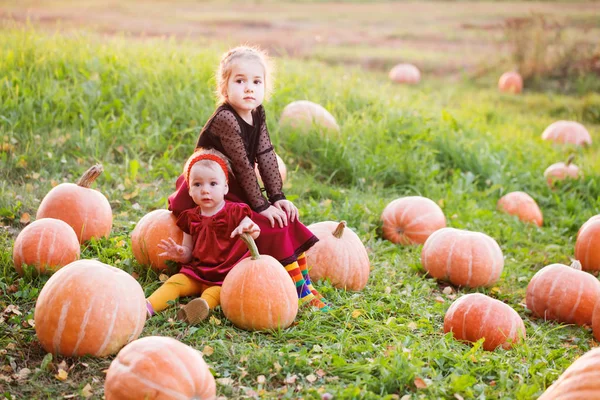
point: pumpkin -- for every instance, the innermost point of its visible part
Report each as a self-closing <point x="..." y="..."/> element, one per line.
<point x="48" y="244"/>
<point x="411" y="219"/>
<point x="562" y="293"/>
<point x="303" y="114"/>
<point x="475" y="316"/>
<point x="521" y="205"/>
<point x="85" y="209"/>
<point x="587" y="245"/>
<point x="88" y="307"/>
<point x="567" y="132"/>
<point x="147" y="234"/>
<point x="339" y="256"/>
<point x="258" y="293"/>
<point x="405" y="73"/>
<point x="280" y="165"/>
<point x="561" y="170"/>
<point x="462" y="257"/>
<point x="156" y="367"/>
<point x="596" y="321"/>
<point x="510" y="82"/>
<point x="581" y="381"/>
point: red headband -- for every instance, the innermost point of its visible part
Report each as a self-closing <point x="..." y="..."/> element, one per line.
<point x="203" y="156"/>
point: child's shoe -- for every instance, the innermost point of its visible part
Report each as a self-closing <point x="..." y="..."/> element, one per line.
<point x="194" y="312"/>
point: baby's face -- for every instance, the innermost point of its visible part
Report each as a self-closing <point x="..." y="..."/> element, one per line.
<point x="208" y="186"/>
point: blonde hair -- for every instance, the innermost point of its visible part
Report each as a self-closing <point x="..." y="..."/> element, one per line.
<point x="208" y="158"/>
<point x="242" y="53"/>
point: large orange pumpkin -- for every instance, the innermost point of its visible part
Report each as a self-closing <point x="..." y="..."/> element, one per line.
<point x="521" y="205"/>
<point x="86" y="210"/>
<point x="280" y="165"/>
<point x="147" y="234"/>
<point x="587" y="246"/>
<point x="581" y="381"/>
<point x="462" y="257"/>
<point x="475" y="316"/>
<point x="303" y="114"/>
<point x="159" y="368"/>
<point x="561" y="170"/>
<point x="258" y="294"/>
<point x="405" y="73"/>
<point x="339" y="256"/>
<point x="48" y="244"/>
<point x="410" y="220"/>
<point x="562" y="293"/>
<point x="567" y="132"/>
<point x="511" y="82"/>
<point x="88" y="307"/>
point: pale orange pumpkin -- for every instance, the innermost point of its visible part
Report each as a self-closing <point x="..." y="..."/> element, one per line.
<point x="85" y="209"/>
<point x="47" y="244"/>
<point x="339" y="256"/>
<point x="562" y="293"/>
<point x="587" y="246"/>
<point x="567" y="132"/>
<point x="303" y="114"/>
<point x="411" y="219"/>
<point x="475" y="316"/>
<point x="258" y="293"/>
<point x="581" y="381"/>
<point x="521" y="205"/>
<point x="159" y="368"/>
<point x="88" y="307"/>
<point x="462" y="257"/>
<point x="562" y="170"/>
<point x="146" y="236"/>
<point x="511" y="82"/>
<point x="405" y="73"/>
<point x="280" y="165"/>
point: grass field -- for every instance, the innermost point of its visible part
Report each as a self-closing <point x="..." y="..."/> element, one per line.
<point x="136" y="107"/>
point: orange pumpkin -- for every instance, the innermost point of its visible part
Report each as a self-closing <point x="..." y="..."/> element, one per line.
<point x="567" y="132"/>
<point x="339" y="256"/>
<point x="280" y="165"/>
<point x="587" y="246"/>
<point x="303" y="114"/>
<point x="581" y="381"/>
<point x="475" y="316"/>
<point x="562" y="170"/>
<point x="147" y="234"/>
<point x="521" y="205"/>
<point x="48" y="244"/>
<point x="410" y="220"/>
<point x="511" y="82"/>
<point x="156" y="367"/>
<point x="405" y="73"/>
<point x="462" y="257"/>
<point x="258" y="294"/>
<point x="88" y="307"/>
<point x="86" y="210"/>
<point x="562" y="293"/>
<point x="596" y="321"/>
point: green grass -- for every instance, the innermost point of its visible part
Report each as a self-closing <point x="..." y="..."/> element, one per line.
<point x="137" y="107"/>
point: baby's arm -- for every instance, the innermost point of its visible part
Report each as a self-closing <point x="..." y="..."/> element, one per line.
<point x="173" y="251"/>
<point x="246" y="226"/>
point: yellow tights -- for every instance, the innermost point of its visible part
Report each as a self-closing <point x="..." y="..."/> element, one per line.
<point x="180" y="285"/>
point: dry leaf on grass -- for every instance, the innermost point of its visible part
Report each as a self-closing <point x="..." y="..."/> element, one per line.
<point x="420" y="383"/>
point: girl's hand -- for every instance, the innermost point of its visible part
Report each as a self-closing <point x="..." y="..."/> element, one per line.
<point x="289" y="208"/>
<point x="174" y="251"/>
<point x="274" y="214"/>
<point x="246" y="226"/>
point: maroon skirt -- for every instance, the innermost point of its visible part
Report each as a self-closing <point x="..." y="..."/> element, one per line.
<point x="284" y="244"/>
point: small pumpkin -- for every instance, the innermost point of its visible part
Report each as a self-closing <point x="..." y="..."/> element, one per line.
<point x="280" y="165"/>
<point x="159" y="368"/>
<point x="303" y="114"/>
<point x="587" y="245"/>
<point x="146" y="236"/>
<point x="462" y="257"/>
<point x="405" y="73"/>
<point x="511" y="82"/>
<point x="89" y="308"/>
<point x="562" y="293"/>
<point x="87" y="210"/>
<point x="48" y="244"/>
<point x="581" y="381"/>
<point x="596" y="321"/>
<point x="567" y="132"/>
<point x="562" y="170"/>
<point x="339" y="256"/>
<point x="475" y="316"/>
<point x="411" y="219"/>
<point x="521" y="205"/>
<point x="258" y="294"/>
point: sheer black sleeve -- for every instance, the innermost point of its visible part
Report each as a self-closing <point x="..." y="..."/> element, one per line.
<point x="267" y="162"/>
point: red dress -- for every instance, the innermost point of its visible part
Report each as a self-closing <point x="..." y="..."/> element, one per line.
<point x="214" y="252"/>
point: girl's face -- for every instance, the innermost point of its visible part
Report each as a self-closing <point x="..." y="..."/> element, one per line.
<point x="208" y="187"/>
<point x="246" y="86"/>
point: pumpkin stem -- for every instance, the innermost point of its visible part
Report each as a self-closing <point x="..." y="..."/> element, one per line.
<point x="339" y="231"/>
<point x="576" y="265"/>
<point x="254" y="254"/>
<point x="90" y="176"/>
<point x="570" y="160"/>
